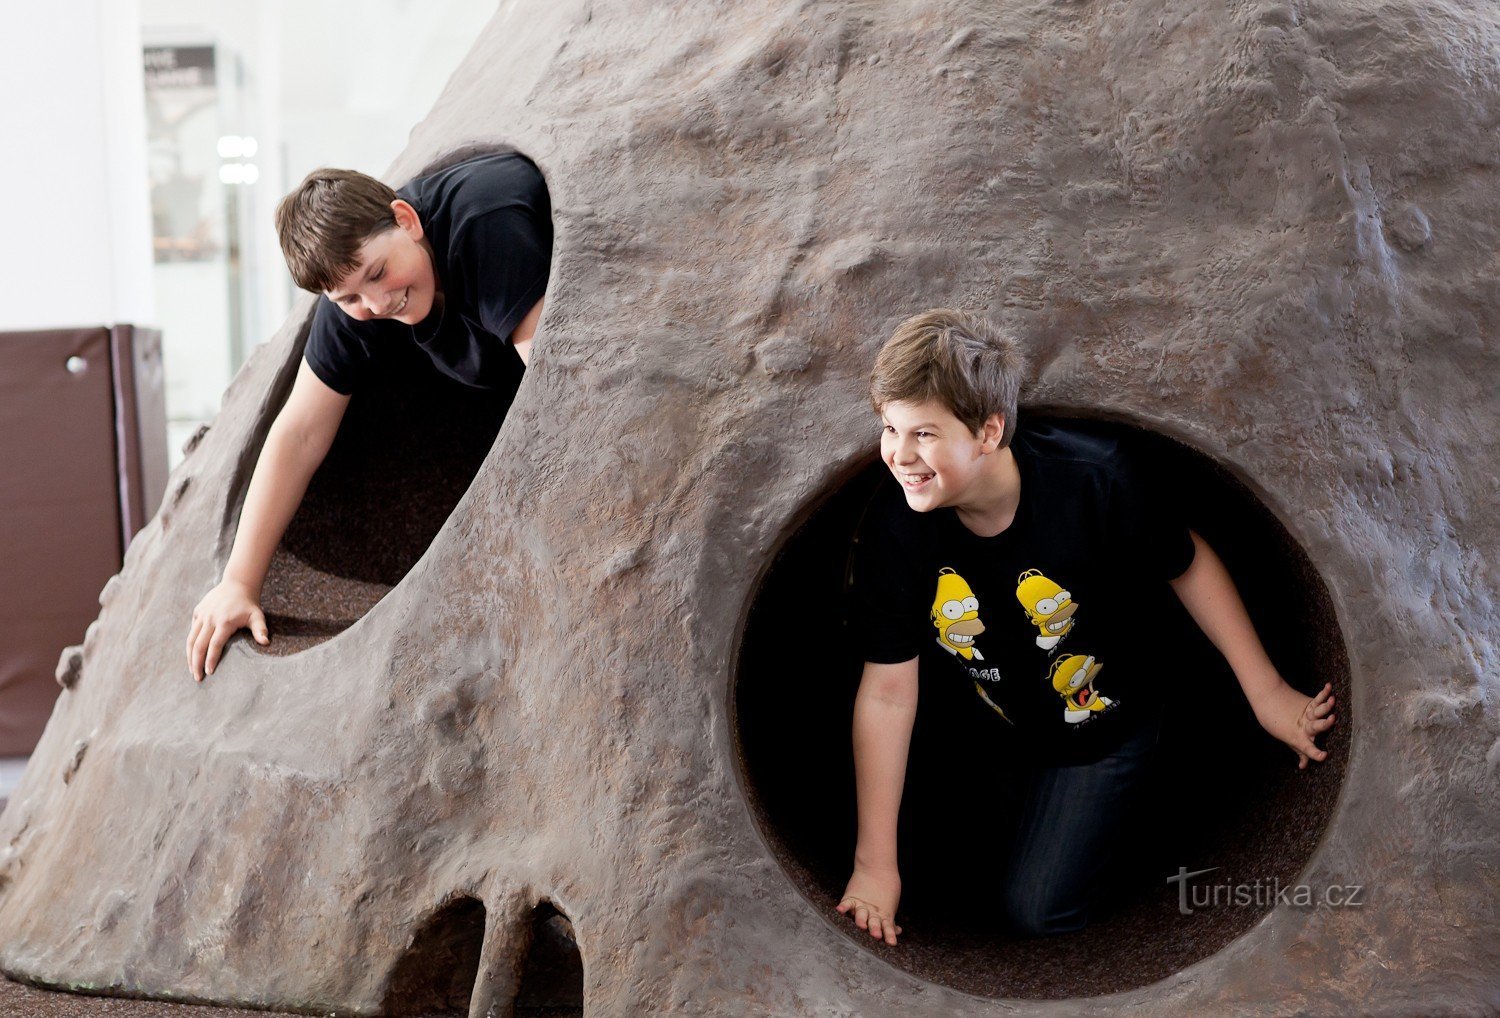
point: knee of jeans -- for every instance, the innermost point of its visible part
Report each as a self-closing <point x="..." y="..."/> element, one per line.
<point x="1034" y="911"/>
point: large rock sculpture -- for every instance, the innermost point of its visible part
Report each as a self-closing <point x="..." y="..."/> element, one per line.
<point x="1265" y="229"/>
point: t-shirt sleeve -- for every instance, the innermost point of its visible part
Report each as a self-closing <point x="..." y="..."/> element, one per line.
<point x="884" y="610"/>
<point x="1150" y="530"/>
<point x="335" y="352"/>
<point x="506" y="259"/>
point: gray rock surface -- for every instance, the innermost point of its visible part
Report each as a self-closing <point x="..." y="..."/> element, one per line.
<point x="1267" y="229"/>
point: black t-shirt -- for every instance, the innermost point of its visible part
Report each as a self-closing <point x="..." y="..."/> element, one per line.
<point x="489" y="221"/>
<point x="1055" y="625"/>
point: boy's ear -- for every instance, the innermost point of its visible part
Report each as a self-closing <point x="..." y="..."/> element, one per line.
<point x="407" y="218"/>
<point x="992" y="431"/>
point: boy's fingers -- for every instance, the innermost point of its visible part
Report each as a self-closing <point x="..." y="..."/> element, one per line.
<point x="870" y="919"/>
<point x="200" y="650"/>
<point x="195" y="632"/>
<point x="216" y="646"/>
<point x="258" y="627"/>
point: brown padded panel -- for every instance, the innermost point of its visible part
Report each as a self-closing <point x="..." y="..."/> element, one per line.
<point x="59" y="513"/>
<point x="84" y="461"/>
<point x="140" y="424"/>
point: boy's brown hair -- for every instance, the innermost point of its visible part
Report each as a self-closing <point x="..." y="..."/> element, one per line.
<point x="962" y="361"/>
<point x="326" y="220"/>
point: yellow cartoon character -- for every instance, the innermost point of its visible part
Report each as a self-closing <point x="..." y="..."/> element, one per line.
<point x="1073" y="678"/>
<point x="955" y="612"/>
<point x="1048" y="606"/>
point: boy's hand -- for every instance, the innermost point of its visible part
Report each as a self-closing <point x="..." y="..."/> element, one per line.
<point x="1297" y="720"/>
<point x="871" y="899"/>
<point x="224" y="611"/>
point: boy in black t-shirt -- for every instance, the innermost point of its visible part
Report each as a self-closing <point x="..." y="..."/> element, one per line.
<point x="455" y="262"/>
<point x="1028" y="562"/>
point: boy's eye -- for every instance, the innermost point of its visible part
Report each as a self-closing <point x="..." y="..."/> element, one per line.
<point x="375" y="276"/>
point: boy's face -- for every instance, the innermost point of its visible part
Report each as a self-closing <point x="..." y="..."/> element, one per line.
<point x="935" y="457"/>
<point x="394" y="278"/>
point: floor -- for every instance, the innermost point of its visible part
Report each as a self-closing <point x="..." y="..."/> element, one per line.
<point x="19" y="999"/>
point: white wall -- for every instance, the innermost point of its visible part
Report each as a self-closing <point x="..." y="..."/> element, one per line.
<point x="77" y="241"/>
<point x="333" y="84"/>
<point x="330" y="84"/>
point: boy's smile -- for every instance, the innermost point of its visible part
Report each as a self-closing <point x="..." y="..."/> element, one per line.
<point x="940" y="462"/>
<point x="394" y="277"/>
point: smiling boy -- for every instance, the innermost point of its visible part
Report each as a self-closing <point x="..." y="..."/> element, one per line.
<point x="455" y="262"/>
<point x="1031" y="558"/>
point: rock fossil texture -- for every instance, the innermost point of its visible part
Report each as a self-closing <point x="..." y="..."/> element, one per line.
<point x="1265" y="229"/>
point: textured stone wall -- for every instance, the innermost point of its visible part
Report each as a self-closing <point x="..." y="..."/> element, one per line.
<point x="1265" y="229"/>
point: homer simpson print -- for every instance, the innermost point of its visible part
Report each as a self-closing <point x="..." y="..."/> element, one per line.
<point x="1073" y="680"/>
<point x="955" y="613"/>
<point x="1052" y="610"/>
<point x="1049" y="607"/>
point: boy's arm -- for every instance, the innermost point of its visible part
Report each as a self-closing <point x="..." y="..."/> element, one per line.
<point x="884" y="710"/>
<point x="521" y="338"/>
<point x="1210" y="597"/>
<point x="298" y="440"/>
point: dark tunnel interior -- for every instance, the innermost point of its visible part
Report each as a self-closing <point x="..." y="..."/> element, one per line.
<point x="410" y="444"/>
<point x="436" y="975"/>
<point x="1226" y="794"/>
<point x="552" y="975"/>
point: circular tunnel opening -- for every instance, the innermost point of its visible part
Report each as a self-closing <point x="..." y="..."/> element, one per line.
<point x="409" y="445"/>
<point x="1226" y="796"/>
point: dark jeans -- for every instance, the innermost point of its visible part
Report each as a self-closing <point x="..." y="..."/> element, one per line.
<point x="1073" y="822"/>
